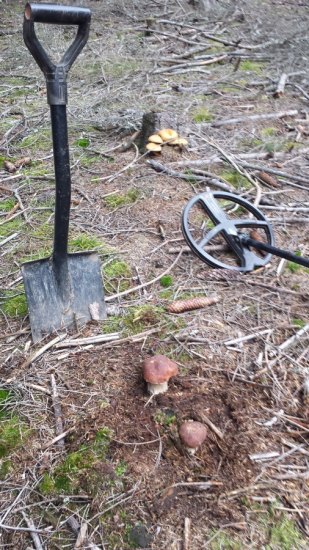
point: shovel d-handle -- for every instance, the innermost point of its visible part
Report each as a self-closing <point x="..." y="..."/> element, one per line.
<point x="55" y="75"/>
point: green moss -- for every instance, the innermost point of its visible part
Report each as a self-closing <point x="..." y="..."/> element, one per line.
<point x="83" y="142"/>
<point x="12" y="434"/>
<point x="165" y="418"/>
<point x="235" y="179"/>
<point x="166" y="281"/>
<point x="5" y="468"/>
<point x="116" y="274"/>
<point x="39" y="139"/>
<point x="37" y="169"/>
<point x="166" y="294"/>
<point x="11" y="226"/>
<point x="294" y="267"/>
<point x="44" y="231"/>
<point x="300" y="323"/>
<point x="119" y="69"/>
<point x="5" y="398"/>
<point x="252" y="66"/>
<point x="285" y="535"/>
<point x="84" y="242"/>
<point x="117" y="200"/>
<point x="269" y="131"/>
<point x="202" y="115"/>
<point x="121" y="469"/>
<point x="139" y="319"/>
<point x="7" y="205"/>
<point x="112" y="324"/>
<point x="69" y="476"/>
<point x="220" y="540"/>
<point x="47" y="485"/>
<point x="15" y="306"/>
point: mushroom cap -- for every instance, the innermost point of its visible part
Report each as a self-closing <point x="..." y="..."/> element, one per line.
<point x="192" y="434"/>
<point x="181" y="142"/>
<point x="153" y="147"/>
<point x="155" y="138"/>
<point x="167" y="133"/>
<point x="158" y="369"/>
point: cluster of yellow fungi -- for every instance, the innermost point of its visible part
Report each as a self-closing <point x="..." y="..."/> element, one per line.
<point x="166" y="136"/>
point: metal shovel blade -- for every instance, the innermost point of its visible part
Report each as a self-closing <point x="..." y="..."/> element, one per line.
<point x="50" y="307"/>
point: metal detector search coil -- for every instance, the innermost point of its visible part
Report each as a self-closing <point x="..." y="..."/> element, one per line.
<point x="242" y="252"/>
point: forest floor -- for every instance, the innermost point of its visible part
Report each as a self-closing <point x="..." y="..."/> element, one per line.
<point x="119" y="478"/>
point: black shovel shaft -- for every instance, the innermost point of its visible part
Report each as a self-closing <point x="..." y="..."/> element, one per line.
<point x="276" y="251"/>
<point x="63" y="180"/>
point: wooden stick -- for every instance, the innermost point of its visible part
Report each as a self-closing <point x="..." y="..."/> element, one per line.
<point x="42" y="350"/>
<point x="56" y="439"/>
<point x="33" y="532"/>
<point x="101" y="338"/>
<point x="281" y="85"/>
<point x="241" y="119"/>
<point x="57" y="410"/>
<point x="211" y="425"/>
<point x="186" y="534"/>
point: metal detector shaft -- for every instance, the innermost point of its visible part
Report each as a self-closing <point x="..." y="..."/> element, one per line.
<point x="274" y="250"/>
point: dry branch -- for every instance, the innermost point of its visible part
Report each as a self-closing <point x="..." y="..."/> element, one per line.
<point x="33" y="532"/>
<point x="57" y="410"/>
<point x="158" y="167"/>
<point x="251" y="118"/>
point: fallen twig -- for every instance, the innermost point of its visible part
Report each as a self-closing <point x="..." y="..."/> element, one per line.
<point x="57" y="410"/>
<point x="186" y="534"/>
<point x="101" y="338"/>
<point x="158" y="167"/>
<point x="34" y="533"/>
<point x="143" y="285"/>
<point x="241" y="119"/>
<point x="58" y="438"/>
<point x="42" y="350"/>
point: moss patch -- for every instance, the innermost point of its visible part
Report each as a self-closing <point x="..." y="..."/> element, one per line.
<point x="117" y="275"/>
<point x="202" y="115"/>
<point x="11" y="226"/>
<point x="12" y="434"/>
<point x="252" y="66"/>
<point x="7" y="205"/>
<point x="68" y="477"/>
<point x="235" y="179"/>
<point x="117" y="200"/>
<point x="84" y="242"/>
<point x="15" y="305"/>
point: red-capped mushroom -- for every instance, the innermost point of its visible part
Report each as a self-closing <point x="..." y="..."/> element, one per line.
<point x="192" y="434"/>
<point x="157" y="371"/>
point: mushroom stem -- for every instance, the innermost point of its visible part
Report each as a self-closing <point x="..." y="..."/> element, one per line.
<point x="191" y="450"/>
<point x="154" y="389"/>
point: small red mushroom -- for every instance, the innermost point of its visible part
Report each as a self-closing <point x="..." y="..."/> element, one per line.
<point x="157" y="371"/>
<point x="192" y="434"/>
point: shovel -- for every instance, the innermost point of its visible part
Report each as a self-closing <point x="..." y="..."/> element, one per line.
<point x="64" y="290"/>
